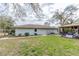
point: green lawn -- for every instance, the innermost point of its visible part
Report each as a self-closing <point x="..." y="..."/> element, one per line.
<point x="51" y="45"/>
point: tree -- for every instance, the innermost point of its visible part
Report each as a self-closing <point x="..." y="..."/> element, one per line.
<point x="4" y="9"/>
<point x="18" y="10"/>
<point x="47" y="23"/>
<point x="59" y="15"/>
<point x="6" y="24"/>
<point x="38" y="12"/>
<point x="70" y="12"/>
<point x="21" y="11"/>
<point x="67" y="16"/>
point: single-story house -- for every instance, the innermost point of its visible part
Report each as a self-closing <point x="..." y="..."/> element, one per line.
<point x="72" y="29"/>
<point x="34" y="29"/>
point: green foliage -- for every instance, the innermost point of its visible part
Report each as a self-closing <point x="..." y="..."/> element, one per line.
<point x="48" y="45"/>
<point x="26" y="34"/>
<point x="20" y="34"/>
<point x="68" y="30"/>
<point x="35" y="34"/>
<point x="12" y="32"/>
<point x="6" y="23"/>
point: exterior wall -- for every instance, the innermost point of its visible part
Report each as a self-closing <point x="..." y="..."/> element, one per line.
<point x="47" y="31"/>
<point x="41" y="31"/>
<point x="56" y="31"/>
<point x="32" y="31"/>
<point x="23" y="31"/>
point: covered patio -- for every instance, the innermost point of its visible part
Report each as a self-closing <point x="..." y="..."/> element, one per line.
<point x="70" y="30"/>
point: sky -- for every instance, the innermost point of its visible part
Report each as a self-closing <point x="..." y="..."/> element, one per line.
<point x="47" y="11"/>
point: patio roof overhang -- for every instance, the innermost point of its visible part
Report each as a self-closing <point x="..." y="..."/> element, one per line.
<point x="69" y="25"/>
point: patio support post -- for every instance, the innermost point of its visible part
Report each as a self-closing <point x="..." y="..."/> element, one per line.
<point x="60" y="30"/>
<point x="78" y="29"/>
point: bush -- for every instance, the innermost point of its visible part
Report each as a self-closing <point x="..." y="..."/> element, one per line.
<point x="26" y="34"/>
<point x="11" y="33"/>
<point x="20" y="34"/>
<point x="35" y="34"/>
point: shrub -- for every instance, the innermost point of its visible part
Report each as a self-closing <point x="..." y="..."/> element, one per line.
<point x="35" y="33"/>
<point x="26" y="34"/>
<point x="20" y="34"/>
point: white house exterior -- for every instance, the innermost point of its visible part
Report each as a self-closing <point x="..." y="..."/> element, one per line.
<point x="34" y="29"/>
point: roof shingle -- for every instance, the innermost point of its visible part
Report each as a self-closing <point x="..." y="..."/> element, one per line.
<point x="34" y="26"/>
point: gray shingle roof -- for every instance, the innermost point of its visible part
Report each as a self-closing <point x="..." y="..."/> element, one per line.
<point x="34" y="26"/>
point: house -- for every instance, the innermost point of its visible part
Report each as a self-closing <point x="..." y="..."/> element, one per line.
<point x="71" y="29"/>
<point x="34" y="29"/>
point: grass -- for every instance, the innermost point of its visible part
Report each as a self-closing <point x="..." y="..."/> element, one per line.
<point x="51" y="45"/>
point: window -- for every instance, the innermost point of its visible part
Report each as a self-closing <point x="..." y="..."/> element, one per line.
<point x="35" y="30"/>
